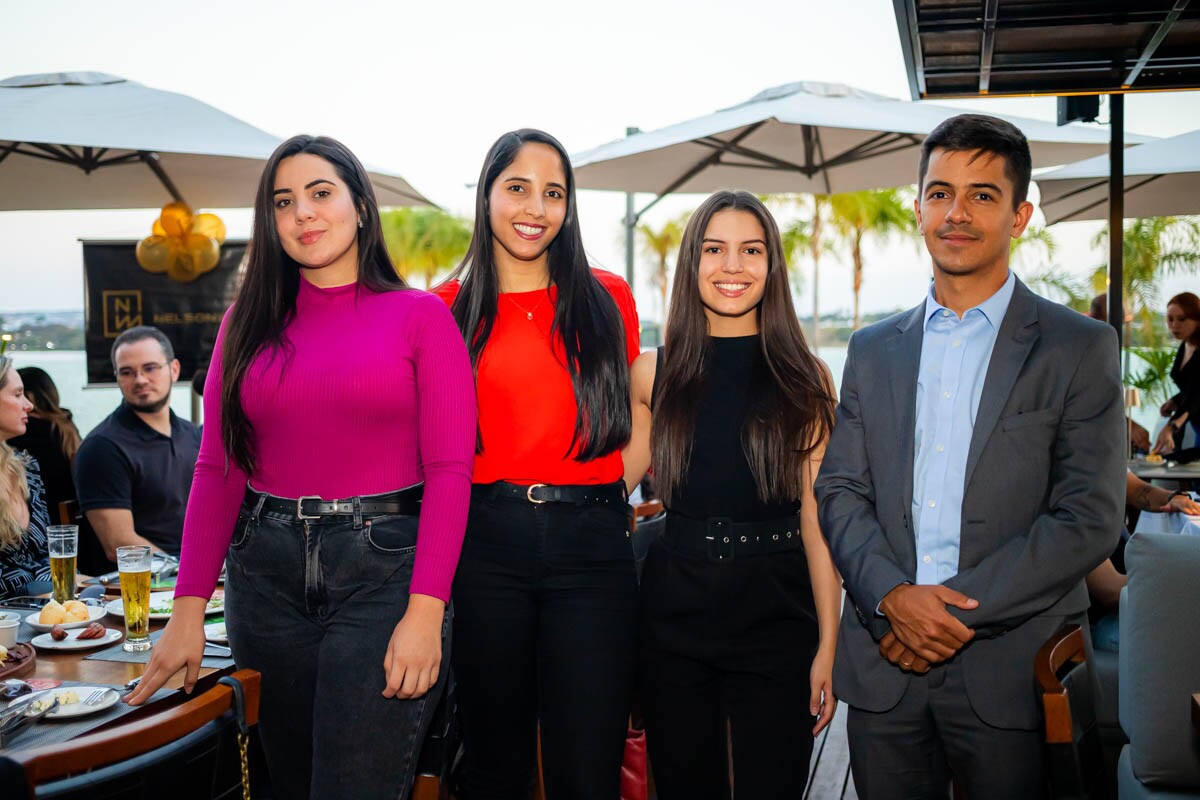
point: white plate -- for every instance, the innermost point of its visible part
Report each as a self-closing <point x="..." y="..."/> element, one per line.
<point x="215" y="632"/>
<point x="108" y="700"/>
<point x="166" y="600"/>
<point x="95" y="612"/>
<point x="46" y="642"/>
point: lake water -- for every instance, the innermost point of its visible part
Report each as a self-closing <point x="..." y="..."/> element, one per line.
<point x="90" y="406"/>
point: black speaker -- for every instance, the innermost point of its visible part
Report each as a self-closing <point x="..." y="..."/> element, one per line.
<point x="1078" y="108"/>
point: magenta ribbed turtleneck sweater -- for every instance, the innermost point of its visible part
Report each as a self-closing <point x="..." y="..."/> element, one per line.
<point x="374" y="393"/>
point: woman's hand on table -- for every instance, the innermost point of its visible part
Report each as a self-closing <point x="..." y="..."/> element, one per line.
<point x="414" y="654"/>
<point x="1165" y="443"/>
<point x="180" y="646"/>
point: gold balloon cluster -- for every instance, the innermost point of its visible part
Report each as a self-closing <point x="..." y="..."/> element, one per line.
<point x="183" y="245"/>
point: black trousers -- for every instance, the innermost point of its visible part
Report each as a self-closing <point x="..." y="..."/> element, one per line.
<point x="545" y="628"/>
<point x="911" y="751"/>
<point x="727" y="647"/>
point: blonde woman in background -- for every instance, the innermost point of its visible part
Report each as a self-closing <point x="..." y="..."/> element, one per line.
<point x="24" y="557"/>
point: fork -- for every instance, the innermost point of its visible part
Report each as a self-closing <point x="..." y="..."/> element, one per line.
<point x="96" y="696"/>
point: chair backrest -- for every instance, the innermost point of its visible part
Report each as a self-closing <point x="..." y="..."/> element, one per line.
<point x="91" y="560"/>
<point x="1075" y="755"/>
<point x="649" y="521"/>
<point x="1160" y="658"/>
<point x="182" y="745"/>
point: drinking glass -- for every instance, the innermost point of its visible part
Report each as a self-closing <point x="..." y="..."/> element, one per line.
<point x="133" y="562"/>
<point x="64" y="547"/>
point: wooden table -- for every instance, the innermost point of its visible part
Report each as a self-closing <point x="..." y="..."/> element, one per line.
<point x="75" y="666"/>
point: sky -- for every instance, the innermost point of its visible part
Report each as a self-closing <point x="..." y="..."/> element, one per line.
<point x="423" y="89"/>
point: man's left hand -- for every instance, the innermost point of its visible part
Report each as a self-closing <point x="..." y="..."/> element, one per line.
<point x="894" y="651"/>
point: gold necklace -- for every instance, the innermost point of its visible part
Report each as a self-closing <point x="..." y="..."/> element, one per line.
<point x="529" y="311"/>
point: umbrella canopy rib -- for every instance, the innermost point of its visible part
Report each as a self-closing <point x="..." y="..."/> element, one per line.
<point x="1052" y="218"/>
<point x="699" y="167"/>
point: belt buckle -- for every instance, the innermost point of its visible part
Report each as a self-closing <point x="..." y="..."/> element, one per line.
<point x="719" y="540"/>
<point x="300" y="506"/>
<point x="529" y="494"/>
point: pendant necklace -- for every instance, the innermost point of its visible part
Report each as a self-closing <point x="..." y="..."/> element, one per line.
<point x="529" y="311"/>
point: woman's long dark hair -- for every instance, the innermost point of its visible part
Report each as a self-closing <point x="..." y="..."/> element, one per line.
<point x="791" y="409"/>
<point x="586" y="320"/>
<point x="41" y="391"/>
<point x="266" y="300"/>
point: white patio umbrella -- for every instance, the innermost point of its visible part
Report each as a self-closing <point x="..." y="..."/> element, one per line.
<point x="811" y="137"/>
<point x="1162" y="178"/>
<point x="88" y="140"/>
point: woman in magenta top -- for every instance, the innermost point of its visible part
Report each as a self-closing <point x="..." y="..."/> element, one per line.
<point x="339" y="403"/>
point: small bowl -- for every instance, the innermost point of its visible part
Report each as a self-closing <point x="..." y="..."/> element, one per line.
<point x="5" y="615"/>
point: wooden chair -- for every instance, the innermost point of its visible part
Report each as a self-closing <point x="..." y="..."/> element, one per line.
<point x="196" y="749"/>
<point x="1074" y="753"/>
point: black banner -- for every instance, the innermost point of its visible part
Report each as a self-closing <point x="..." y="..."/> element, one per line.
<point x="119" y="294"/>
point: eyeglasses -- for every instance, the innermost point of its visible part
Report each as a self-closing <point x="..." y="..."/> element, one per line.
<point x="150" y="370"/>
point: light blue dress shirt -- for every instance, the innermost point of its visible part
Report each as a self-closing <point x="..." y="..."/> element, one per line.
<point x="954" y="359"/>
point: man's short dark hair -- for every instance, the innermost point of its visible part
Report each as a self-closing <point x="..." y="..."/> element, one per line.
<point x="137" y="334"/>
<point x="968" y="132"/>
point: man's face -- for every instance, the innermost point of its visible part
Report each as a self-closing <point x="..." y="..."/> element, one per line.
<point x="965" y="212"/>
<point x="145" y="375"/>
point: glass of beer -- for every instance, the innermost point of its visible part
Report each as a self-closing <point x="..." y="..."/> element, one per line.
<point x="133" y="562"/>
<point x="64" y="547"/>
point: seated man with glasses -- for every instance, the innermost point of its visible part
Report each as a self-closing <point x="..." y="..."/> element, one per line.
<point x="133" y="472"/>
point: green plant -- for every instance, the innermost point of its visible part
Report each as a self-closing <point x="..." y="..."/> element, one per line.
<point x="424" y="241"/>
<point x="1153" y="382"/>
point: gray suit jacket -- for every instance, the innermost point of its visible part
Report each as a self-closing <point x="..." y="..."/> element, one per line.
<point x="1042" y="504"/>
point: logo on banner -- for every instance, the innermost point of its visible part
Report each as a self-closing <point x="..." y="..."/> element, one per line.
<point x="122" y="311"/>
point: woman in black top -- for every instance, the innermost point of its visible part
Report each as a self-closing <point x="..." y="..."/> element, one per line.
<point x="1183" y="320"/>
<point x="50" y="437"/>
<point x="740" y="595"/>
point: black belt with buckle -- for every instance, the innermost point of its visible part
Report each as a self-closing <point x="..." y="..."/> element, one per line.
<point x="720" y="538"/>
<point x="403" y="501"/>
<point x="538" y="493"/>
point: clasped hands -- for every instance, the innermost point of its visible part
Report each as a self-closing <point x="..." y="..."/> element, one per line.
<point x="923" y="632"/>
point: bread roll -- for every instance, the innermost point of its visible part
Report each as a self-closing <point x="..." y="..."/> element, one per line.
<point x="76" y="611"/>
<point x="52" y="614"/>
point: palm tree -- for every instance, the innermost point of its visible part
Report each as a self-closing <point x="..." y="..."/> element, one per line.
<point x="424" y="241"/>
<point x="1049" y="278"/>
<point x="660" y="244"/>
<point x="879" y="213"/>
<point x="1152" y="247"/>
<point x="806" y="235"/>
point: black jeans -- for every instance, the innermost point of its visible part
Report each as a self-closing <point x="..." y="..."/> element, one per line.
<point x="311" y="604"/>
<point x="726" y="651"/>
<point x="545" y="626"/>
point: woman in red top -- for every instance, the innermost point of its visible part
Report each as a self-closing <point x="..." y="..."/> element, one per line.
<point x="545" y="595"/>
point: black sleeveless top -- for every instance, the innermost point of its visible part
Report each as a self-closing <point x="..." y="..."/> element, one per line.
<point x="718" y="482"/>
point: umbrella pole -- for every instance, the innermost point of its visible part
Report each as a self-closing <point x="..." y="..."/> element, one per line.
<point x="631" y="218"/>
<point x="151" y="160"/>
<point x="1116" y="213"/>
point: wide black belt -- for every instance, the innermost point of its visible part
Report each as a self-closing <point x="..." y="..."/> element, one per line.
<point x="403" y="501"/>
<point x="538" y="493"/>
<point x="720" y="538"/>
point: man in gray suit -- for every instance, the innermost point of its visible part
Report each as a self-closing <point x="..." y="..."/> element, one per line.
<point x="974" y="477"/>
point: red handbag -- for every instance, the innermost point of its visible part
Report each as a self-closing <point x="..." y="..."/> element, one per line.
<point x="635" y="784"/>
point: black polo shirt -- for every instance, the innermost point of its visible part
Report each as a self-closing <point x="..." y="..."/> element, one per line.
<point x="124" y="463"/>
